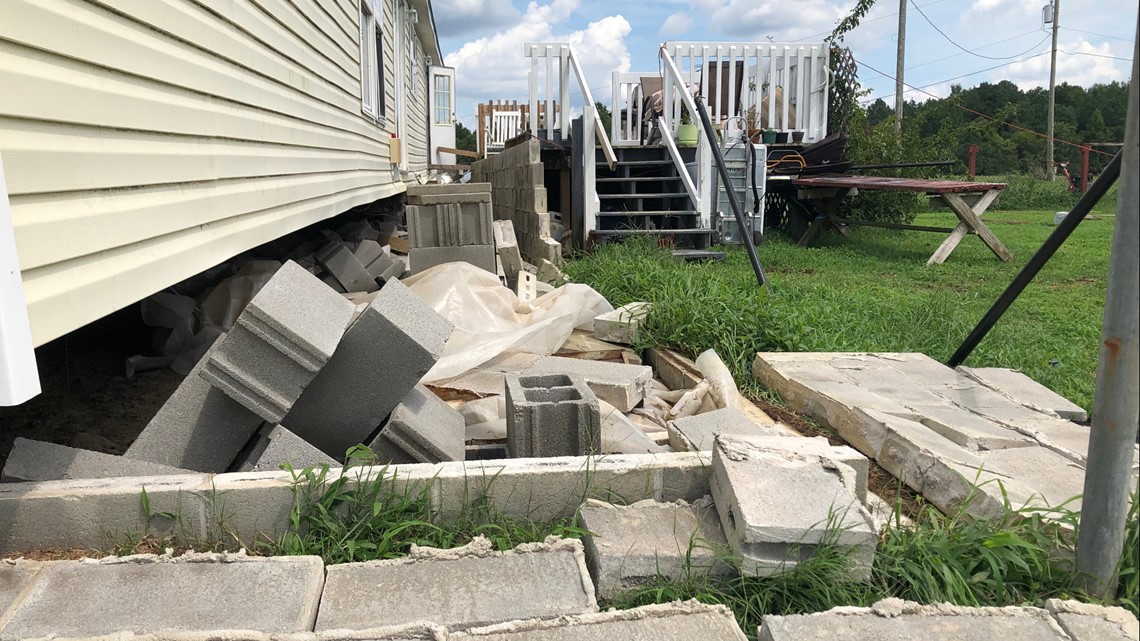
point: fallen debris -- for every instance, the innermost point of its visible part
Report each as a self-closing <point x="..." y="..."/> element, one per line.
<point x="551" y="415"/>
<point x="622" y="324"/>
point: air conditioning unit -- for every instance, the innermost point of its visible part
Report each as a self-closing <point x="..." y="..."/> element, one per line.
<point x="412" y="16"/>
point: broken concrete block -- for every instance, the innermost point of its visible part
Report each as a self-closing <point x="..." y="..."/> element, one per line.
<point x="457" y="192"/>
<point x="897" y="620"/>
<point x="777" y="506"/>
<point x="1026" y="391"/>
<point x="340" y="262"/>
<point x="40" y="461"/>
<point x="450" y="224"/>
<point x="283" y="338"/>
<point x="1032" y="476"/>
<point x="382" y="356"/>
<point x="423" y="258"/>
<point x="679" y="621"/>
<point x="507" y="246"/>
<point x="279" y="446"/>
<point x="797" y="446"/>
<point x="199" y="427"/>
<point x="424" y="428"/>
<point x="696" y="433"/>
<point x="628" y="546"/>
<point x="551" y="415"/>
<point x="462" y="587"/>
<point x="145" y="594"/>
<point x="549" y="273"/>
<point x="15" y="578"/>
<point x="623" y="386"/>
<point x="621" y="325"/>
<point x="1088" y="622"/>
<point x="527" y="288"/>
<point x="378" y="263"/>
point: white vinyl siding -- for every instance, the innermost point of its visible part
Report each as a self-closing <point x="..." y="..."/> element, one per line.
<point x="147" y="140"/>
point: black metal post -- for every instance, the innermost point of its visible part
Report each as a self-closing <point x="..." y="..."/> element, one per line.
<point x="732" y="202"/>
<point x="1088" y="200"/>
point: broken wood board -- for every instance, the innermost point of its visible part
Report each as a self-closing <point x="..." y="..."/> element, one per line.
<point x="583" y="345"/>
<point x="678" y="372"/>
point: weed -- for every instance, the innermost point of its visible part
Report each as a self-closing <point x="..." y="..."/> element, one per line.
<point x="1128" y="593"/>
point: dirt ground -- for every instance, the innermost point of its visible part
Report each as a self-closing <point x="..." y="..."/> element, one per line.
<point x="87" y="400"/>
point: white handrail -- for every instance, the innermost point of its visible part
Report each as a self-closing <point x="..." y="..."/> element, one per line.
<point x="567" y="59"/>
<point x="686" y="179"/>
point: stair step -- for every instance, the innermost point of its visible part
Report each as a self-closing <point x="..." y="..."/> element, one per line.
<point x="634" y="179"/>
<point x="651" y="232"/>
<point x="641" y="163"/>
<point x="650" y="212"/>
<point x="664" y="195"/>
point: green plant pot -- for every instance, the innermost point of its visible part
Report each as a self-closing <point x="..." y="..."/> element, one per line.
<point x="769" y="137"/>
<point x="687" y="135"/>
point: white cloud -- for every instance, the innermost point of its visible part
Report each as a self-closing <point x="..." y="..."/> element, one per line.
<point x="782" y="20"/>
<point x="496" y="67"/>
<point x="455" y="18"/>
<point x="675" y="24"/>
<point x="1072" y="67"/>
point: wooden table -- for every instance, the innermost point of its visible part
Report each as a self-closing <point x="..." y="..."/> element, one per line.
<point x="968" y="201"/>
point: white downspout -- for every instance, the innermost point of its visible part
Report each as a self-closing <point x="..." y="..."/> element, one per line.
<point x="19" y="378"/>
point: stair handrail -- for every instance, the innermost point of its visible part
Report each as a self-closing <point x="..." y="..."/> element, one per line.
<point x="672" y="77"/>
<point x="567" y="56"/>
<point x="599" y="129"/>
<point x="682" y="168"/>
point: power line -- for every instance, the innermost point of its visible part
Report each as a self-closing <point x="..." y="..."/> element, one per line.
<point x="1093" y="33"/>
<point x="972" y="53"/>
<point x="987" y="116"/>
<point x="965" y="75"/>
<point x="930" y="62"/>
<point x="1095" y="55"/>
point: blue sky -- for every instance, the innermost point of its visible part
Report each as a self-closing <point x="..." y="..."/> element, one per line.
<point x="483" y="39"/>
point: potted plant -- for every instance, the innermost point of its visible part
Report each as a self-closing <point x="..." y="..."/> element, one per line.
<point x="687" y="131"/>
<point x="769" y="136"/>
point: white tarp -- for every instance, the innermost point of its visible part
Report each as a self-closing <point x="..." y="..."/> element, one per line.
<point x="489" y="319"/>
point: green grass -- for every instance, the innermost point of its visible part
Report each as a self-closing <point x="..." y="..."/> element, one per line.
<point x="874" y="292"/>
<point x="381" y="517"/>
<point x="1030" y="192"/>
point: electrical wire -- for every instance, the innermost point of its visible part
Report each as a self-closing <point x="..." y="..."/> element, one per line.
<point x="930" y="62"/>
<point x="989" y="117"/>
<point x="972" y="53"/>
<point x="935" y="84"/>
<point x="1095" y="55"/>
<point x="1093" y="33"/>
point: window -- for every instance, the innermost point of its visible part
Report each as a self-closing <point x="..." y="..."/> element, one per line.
<point x="442" y="88"/>
<point x="372" y="92"/>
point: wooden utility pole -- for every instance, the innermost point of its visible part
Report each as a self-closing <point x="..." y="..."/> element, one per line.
<point x="899" y="67"/>
<point x="1052" y="92"/>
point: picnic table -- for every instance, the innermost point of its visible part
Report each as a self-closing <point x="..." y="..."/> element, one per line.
<point x="968" y="200"/>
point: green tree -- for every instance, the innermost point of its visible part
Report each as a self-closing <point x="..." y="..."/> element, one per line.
<point x="465" y="138"/>
<point x="604" y="115"/>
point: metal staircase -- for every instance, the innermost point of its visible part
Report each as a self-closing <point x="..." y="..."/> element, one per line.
<point x="644" y="195"/>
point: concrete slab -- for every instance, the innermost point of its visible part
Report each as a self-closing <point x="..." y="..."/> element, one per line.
<point x="425" y="428"/>
<point x="1088" y="622"/>
<point x="669" y="622"/>
<point x="424" y="258"/>
<point x="1024" y="390"/>
<point x="16" y="578"/>
<point x="146" y="594"/>
<point x="551" y="415"/>
<point x="895" y="620"/>
<point x="1031" y="475"/>
<point x="696" y="433"/>
<point x="968" y="429"/>
<point x="280" y="341"/>
<point x="278" y="446"/>
<point x="459" y="588"/>
<point x="628" y="546"/>
<point x="622" y="324"/>
<point x="198" y="428"/>
<point x="1066" y="438"/>
<point x="801" y="446"/>
<point x="382" y="356"/>
<point x="776" y="506"/>
<point x="41" y="461"/>
<point x="623" y="386"/>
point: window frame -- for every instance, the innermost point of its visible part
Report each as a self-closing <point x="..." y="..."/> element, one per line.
<point x="373" y="92"/>
<point x="449" y="110"/>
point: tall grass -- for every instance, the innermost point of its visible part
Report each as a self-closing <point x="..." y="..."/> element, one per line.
<point x="1029" y="192"/>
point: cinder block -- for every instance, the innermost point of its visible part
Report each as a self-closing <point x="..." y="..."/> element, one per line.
<point x="145" y="594"/>
<point x="623" y="386"/>
<point x="343" y="265"/>
<point x="377" y="262"/>
<point x="40" y="461"/>
<point x="450" y="224"/>
<point x="627" y="546"/>
<point x="424" y="428"/>
<point x="507" y="246"/>
<point x="198" y="428"/>
<point x="551" y="415"/>
<point x="382" y="356"/>
<point x="458" y="588"/>
<point x="898" y="620"/>
<point x="278" y="446"/>
<point x="679" y="621"/>
<point x="793" y="447"/>
<point x="449" y="199"/>
<point x="453" y="190"/>
<point x="697" y="433"/>
<point x="775" y="507"/>
<point x="283" y="338"/>
<point x="540" y="199"/>
<point x="622" y="324"/>
<point x="527" y="287"/>
<point x="424" y="258"/>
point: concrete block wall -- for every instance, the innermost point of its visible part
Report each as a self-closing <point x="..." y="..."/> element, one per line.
<point x="518" y="191"/>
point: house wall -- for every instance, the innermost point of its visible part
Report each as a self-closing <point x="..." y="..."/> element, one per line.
<point x="146" y="140"/>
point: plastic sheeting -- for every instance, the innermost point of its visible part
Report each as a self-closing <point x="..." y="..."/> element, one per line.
<point x="489" y="319"/>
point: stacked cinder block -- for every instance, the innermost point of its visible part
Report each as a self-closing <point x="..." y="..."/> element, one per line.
<point x="519" y="193"/>
<point x="551" y="415"/>
<point x="450" y="223"/>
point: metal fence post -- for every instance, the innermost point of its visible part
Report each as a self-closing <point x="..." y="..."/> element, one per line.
<point x="1108" y="475"/>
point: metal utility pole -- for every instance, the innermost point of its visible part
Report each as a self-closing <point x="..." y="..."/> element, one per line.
<point x="1108" y="474"/>
<point x="1052" y="92"/>
<point x="899" y="67"/>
